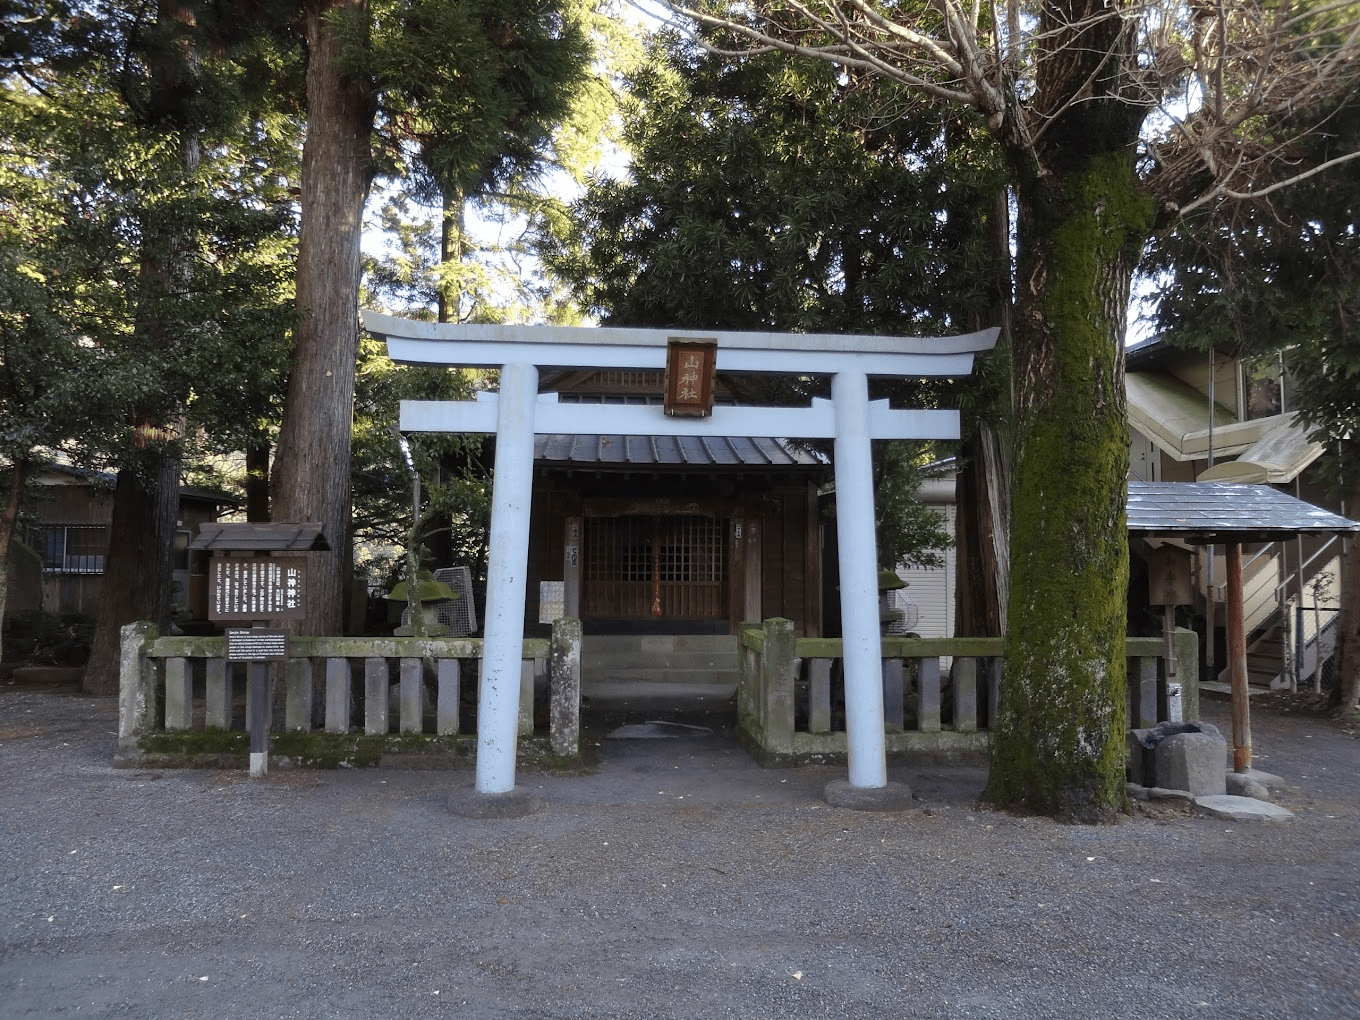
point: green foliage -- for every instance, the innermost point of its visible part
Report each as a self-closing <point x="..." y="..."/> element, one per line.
<point x="455" y="476"/>
<point x="781" y="195"/>
<point x="908" y="532"/>
<point x="98" y="190"/>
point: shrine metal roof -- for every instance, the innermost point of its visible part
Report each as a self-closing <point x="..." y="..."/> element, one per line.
<point x="1205" y="513"/>
<point x="689" y="451"/>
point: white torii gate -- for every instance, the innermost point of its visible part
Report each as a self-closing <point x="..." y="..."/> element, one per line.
<point x="519" y="411"/>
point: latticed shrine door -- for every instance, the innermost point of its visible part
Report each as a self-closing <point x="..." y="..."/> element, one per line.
<point x="657" y="566"/>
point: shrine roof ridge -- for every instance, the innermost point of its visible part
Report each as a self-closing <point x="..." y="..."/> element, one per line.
<point x="390" y="327"/>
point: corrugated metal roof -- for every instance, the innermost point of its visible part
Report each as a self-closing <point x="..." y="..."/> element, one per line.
<point x="687" y="451"/>
<point x="1209" y="512"/>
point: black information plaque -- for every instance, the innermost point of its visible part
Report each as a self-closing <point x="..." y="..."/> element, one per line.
<point x="257" y="589"/>
<point x="256" y="644"/>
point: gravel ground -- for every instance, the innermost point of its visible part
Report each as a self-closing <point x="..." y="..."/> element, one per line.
<point x="677" y="881"/>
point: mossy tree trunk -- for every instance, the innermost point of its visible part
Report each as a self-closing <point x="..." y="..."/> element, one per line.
<point x="1346" y="693"/>
<point x="1059" y="744"/>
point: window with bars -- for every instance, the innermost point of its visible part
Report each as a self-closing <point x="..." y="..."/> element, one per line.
<point x="71" y="548"/>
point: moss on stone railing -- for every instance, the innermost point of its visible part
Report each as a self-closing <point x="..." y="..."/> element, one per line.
<point x="790" y="696"/>
<point x="177" y="700"/>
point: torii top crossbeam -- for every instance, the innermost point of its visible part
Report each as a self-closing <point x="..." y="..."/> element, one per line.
<point x="518" y="411"/>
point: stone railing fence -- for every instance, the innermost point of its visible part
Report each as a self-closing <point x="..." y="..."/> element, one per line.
<point x="346" y="700"/>
<point x="790" y="698"/>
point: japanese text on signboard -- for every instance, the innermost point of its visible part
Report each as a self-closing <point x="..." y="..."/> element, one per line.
<point x="257" y="589"/>
<point x="689" y="377"/>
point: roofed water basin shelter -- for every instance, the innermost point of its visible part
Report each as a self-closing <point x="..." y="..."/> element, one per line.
<point x="669" y="531"/>
<point x="1217" y="513"/>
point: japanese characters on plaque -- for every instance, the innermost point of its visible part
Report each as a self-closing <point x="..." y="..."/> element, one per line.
<point x="256" y="589"/>
<point x="689" y="377"/>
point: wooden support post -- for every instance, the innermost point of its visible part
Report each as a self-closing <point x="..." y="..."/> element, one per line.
<point x="179" y="694"/>
<point x="928" y="694"/>
<point x="217" y="692"/>
<point x="1237" y="661"/>
<point x="965" y="694"/>
<point x="447" y="711"/>
<point x="337" y="695"/>
<point x="819" y="695"/>
<point x="258" y="709"/>
<point x="411" y="697"/>
<point x="375" y="697"/>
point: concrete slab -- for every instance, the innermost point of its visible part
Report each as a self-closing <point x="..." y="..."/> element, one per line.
<point x="1242" y="809"/>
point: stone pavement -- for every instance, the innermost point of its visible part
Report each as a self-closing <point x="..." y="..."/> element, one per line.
<point x="677" y="880"/>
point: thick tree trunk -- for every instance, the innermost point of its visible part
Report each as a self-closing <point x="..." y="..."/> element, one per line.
<point x="452" y="251"/>
<point x="257" y="483"/>
<point x="983" y="500"/>
<point x="9" y="519"/>
<point x="137" y="569"/>
<point x="311" y="479"/>
<point x="1059" y="745"/>
<point x="982" y="525"/>
<point x="1347" y="695"/>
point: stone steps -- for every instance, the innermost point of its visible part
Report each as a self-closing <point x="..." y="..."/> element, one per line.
<point x="659" y="658"/>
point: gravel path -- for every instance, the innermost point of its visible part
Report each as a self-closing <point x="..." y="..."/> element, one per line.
<point x="678" y="881"/>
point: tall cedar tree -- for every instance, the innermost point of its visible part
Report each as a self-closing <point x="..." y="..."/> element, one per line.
<point x="471" y="81"/>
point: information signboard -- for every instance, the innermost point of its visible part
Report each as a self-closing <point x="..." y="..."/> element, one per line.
<point x="256" y="644"/>
<point x="257" y="589"/>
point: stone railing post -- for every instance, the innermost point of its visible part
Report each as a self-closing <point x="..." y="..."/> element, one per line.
<point x="136" y="685"/>
<point x="1187" y="661"/>
<point x="776" y="682"/>
<point x="564" y="684"/>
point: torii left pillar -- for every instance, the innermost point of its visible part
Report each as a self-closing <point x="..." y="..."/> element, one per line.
<point x="511" y="495"/>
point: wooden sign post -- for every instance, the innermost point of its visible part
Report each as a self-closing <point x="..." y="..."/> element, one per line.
<point x="249" y="584"/>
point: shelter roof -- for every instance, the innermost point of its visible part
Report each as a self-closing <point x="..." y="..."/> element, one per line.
<point x="688" y="451"/>
<point x="1205" y="513"/>
<point x="276" y="537"/>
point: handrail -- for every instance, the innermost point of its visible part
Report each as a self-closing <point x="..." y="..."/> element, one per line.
<point x="1306" y="564"/>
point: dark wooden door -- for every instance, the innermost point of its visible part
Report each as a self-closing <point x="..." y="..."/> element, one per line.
<point x="655" y="566"/>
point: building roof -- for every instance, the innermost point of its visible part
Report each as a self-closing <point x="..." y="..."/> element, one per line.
<point x="686" y="451"/>
<point x="1205" y="513"/>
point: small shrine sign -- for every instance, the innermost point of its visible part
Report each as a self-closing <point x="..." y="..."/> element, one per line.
<point x="690" y="366"/>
